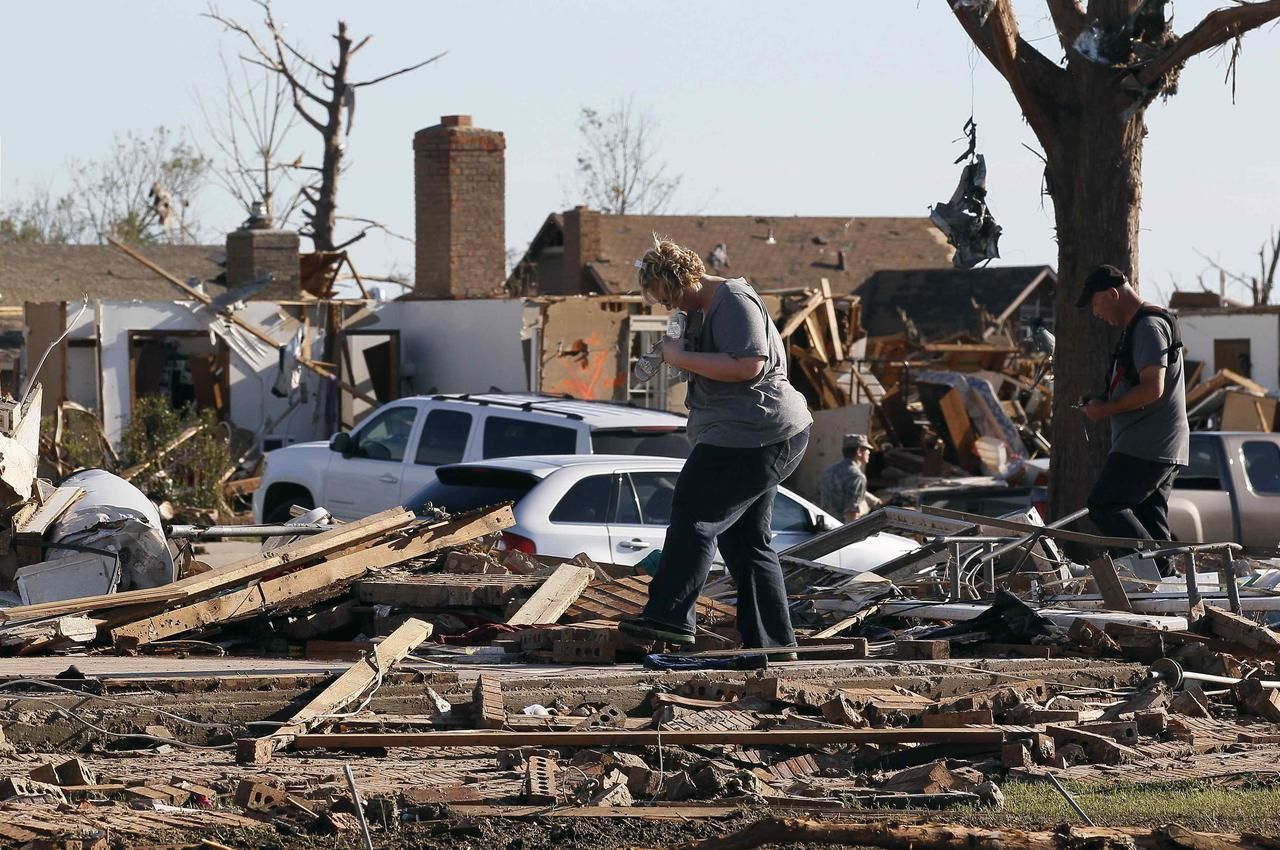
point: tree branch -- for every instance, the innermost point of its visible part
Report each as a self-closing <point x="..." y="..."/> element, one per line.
<point x="1217" y="28"/>
<point x="1036" y="82"/>
<point x="1069" y="19"/>
<point x="398" y="73"/>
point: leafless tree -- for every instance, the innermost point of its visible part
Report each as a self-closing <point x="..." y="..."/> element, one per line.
<point x="1260" y="285"/>
<point x="142" y="192"/>
<point x="250" y="128"/>
<point x="1089" y="117"/>
<point x="40" y="219"/>
<point x="617" y="167"/>
<point x="333" y="99"/>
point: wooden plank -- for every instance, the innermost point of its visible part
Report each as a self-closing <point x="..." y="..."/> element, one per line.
<point x="309" y="584"/>
<point x="796" y="319"/>
<point x="648" y="737"/>
<point x="1108" y="581"/>
<point x="47" y="514"/>
<point x="553" y="599"/>
<point x="446" y="590"/>
<point x="837" y="348"/>
<point x="959" y="428"/>
<point x="187" y="433"/>
<point x="816" y="345"/>
<point x="256" y="566"/>
<point x="343" y="691"/>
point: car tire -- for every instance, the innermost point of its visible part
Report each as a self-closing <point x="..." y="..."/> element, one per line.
<point x="280" y="513"/>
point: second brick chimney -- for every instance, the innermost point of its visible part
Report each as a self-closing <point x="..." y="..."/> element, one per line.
<point x="459" y="176"/>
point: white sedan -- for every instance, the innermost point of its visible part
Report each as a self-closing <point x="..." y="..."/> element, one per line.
<point x="616" y="508"/>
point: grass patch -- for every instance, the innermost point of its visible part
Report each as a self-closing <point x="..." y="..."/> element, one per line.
<point x="1195" y="805"/>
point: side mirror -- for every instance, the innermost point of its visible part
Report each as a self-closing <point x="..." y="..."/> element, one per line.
<point x="340" y="442"/>
<point x="820" y="524"/>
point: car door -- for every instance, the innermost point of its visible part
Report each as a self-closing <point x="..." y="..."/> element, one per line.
<point x="367" y="480"/>
<point x="641" y="515"/>
<point x="1201" y="506"/>
<point x="578" y="522"/>
<point x="441" y="439"/>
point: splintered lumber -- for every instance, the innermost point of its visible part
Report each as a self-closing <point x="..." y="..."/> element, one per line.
<point x="33" y="527"/>
<point x="550" y="601"/>
<point x="646" y="737"/>
<point x="1108" y="581"/>
<point x="310" y="584"/>
<point x="446" y="590"/>
<point x="254" y="567"/>
<point x="793" y="832"/>
<point x="133" y="471"/>
<point x="346" y="689"/>
<point x="1241" y="630"/>
<point x="837" y="350"/>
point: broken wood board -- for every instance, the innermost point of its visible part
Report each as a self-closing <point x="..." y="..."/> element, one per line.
<point x="346" y="689"/>
<point x="257" y="566"/>
<point x="553" y="598"/>
<point x="644" y="738"/>
<point x="187" y="433"/>
<point x="310" y="584"/>
<point x="1108" y="582"/>
<point x="30" y="529"/>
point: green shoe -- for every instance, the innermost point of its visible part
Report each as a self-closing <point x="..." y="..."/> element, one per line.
<point x="650" y="630"/>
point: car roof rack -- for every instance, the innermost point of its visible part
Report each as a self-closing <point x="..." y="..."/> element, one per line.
<point x="526" y="406"/>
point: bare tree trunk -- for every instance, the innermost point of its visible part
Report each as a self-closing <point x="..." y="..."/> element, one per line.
<point x="322" y="216"/>
<point x="1095" y="176"/>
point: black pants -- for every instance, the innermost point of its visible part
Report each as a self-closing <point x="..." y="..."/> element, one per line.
<point x="727" y="495"/>
<point x="1131" y="499"/>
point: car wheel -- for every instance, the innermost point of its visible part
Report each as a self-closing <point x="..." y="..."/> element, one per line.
<point x="280" y="514"/>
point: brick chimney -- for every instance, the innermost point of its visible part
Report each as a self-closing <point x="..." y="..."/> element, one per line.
<point x="459" y="185"/>
<point x="581" y="246"/>
<point x="257" y="248"/>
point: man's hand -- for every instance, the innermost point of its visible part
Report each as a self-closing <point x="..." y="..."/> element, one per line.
<point x="1096" y="410"/>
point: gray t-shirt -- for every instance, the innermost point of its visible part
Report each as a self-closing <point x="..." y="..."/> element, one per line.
<point x="743" y="414"/>
<point x="1159" y="431"/>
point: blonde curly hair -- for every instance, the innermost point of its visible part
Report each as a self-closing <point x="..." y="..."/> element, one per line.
<point x="667" y="271"/>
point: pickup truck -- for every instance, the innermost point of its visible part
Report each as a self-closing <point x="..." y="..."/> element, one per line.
<point x="1230" y="491"/>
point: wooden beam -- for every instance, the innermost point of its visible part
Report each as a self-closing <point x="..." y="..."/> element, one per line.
<point x="33" y="526"/>
<point x="837" y="348"/>
<point x="311" y="584"/>
<point x="816" y="345"/>
<point x="254" y="567"/>
<point x="796" y="319"/>
<point x="187" y="433"/>
<point x="647" y="737"/>
<point x="550" y="601"/>
<point x="342" y="692"/>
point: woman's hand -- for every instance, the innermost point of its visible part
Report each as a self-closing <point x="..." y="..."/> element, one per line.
<point x="673" y="351"/>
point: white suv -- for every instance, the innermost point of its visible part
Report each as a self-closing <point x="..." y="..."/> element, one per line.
<point x="616" y="509"/>
<point x="394" y="452"/>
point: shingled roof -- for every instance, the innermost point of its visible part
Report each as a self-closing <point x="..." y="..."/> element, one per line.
<point x="773" y="252"/>
<point x="68" y="272"/>
<point x="940" y="301"/>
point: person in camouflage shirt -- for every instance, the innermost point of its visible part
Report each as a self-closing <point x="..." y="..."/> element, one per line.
<point x="842" y="488"/>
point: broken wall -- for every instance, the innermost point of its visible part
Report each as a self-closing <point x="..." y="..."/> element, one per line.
<point x="584" y="348"/>
<point x="253" y="368"/>
<point x="1200" y="332"/>
<point x="464" y="346"/>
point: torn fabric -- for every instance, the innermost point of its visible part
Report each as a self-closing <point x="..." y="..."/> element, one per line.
<point x="289" y="375"/>
<point x="966" y="221"/>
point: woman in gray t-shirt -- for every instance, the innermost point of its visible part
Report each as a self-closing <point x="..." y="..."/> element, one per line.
<point x="749" y="429"/>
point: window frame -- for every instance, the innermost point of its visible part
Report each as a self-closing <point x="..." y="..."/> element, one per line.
<point x="1244" y="465"/>
<point x="610" y="500"/>
<point x="368" y="425"/>
<point x="426" y="421"/>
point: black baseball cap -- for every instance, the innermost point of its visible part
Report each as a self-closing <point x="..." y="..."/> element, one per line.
<point x="1101" y="279"/>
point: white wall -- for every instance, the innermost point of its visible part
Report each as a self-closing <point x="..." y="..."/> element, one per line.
<point x="1262" y="329"/>
<point x="465" y="346"/>
<point x="252" y="406"/>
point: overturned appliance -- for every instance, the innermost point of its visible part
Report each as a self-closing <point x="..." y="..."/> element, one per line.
<point x="109" y="540"/>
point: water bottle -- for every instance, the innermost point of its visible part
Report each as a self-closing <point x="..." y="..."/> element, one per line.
<point x="648" y="364"/>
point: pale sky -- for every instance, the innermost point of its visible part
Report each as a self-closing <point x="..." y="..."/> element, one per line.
<point x="840" y="107"/>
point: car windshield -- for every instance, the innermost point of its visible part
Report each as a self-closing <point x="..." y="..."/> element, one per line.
<point x="653" y="442"/>
<point x="460" y="489"/>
